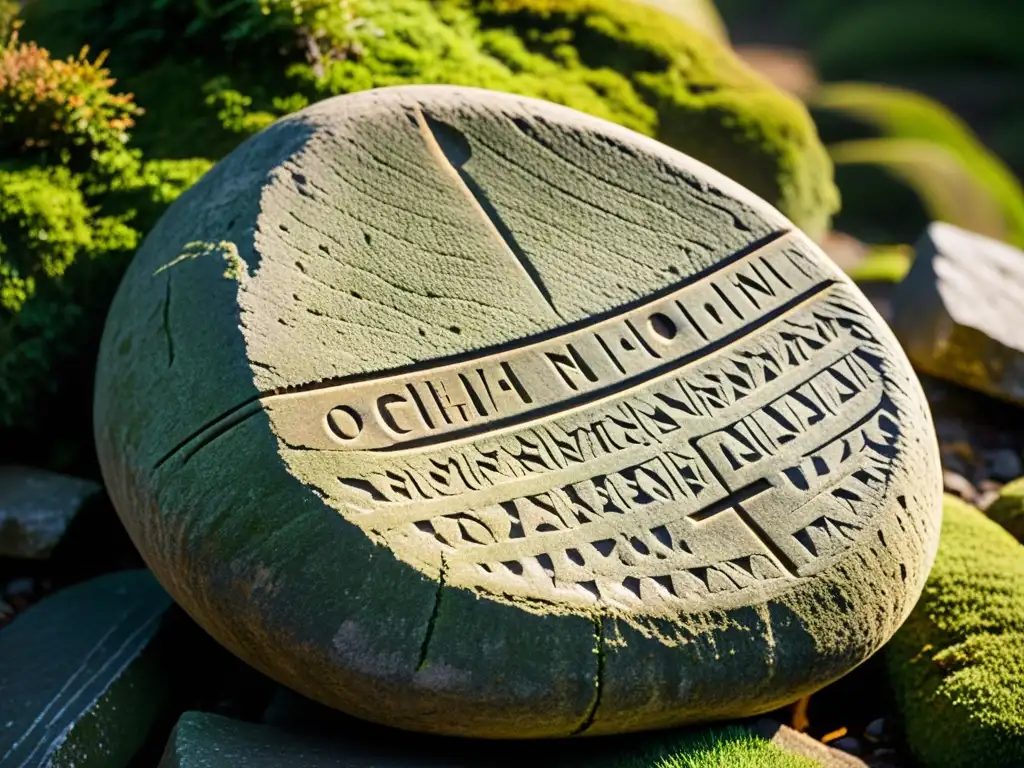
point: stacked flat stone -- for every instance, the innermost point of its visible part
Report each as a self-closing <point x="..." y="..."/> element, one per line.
<point x="960" y="311"/>
<point x="468" y="413"/>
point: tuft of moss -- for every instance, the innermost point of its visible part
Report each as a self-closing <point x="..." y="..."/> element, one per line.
<point x="75" y="201"/>
<point x="627" y="62"/>
<point x="730" y="746"/>
<point x="884" y="264"/>
<point x="957" y="664"/>
<point x="1008" y="509"/>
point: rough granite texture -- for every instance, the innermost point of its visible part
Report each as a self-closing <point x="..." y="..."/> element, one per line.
<point x="959" y="312"/>
<point x="353" y="408"/>
<point x="957" y="664"/>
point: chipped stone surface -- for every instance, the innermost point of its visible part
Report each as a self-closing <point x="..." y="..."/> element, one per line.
<point x="36" y="508"/>
<point x="959" y="313"/>
<point x="510" y="422"/>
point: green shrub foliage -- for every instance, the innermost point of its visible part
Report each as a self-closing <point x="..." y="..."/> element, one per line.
<point x="206" y="75"/>
<point x="210" y="75"/>
<point x="75" y="201"/>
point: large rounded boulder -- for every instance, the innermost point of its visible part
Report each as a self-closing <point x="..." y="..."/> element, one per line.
<point x="468" y="413"/>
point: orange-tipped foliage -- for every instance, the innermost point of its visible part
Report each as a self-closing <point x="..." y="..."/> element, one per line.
<point x="63" y="109"/>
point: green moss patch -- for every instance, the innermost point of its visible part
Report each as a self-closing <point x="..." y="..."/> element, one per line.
<point x="728" y="747"/>
<point x="627" y="62"/>
<point x="75" y="201"/>
<point x="957" y="664"/>
<point x="1008" y="509"/>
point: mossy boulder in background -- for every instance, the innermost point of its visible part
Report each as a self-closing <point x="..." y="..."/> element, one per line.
<point x="702" y="15"/>
<point x="957" y="664"/>
<point x="1008" y="509"/>
<point x="624" y="61"/>
<point x="929" y="149"/>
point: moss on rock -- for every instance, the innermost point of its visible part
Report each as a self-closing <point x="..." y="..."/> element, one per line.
<point x="883" y="264"/>
<point x="627" y="62"/>
<point x="957" y="664"/>
<point x="726" y="747"/>
<point x="1008" y="509"/>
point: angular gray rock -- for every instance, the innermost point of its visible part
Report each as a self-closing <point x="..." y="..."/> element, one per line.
<point x="81" y="683"/>
<point x="960" y="311"/>
<point x="36" y="507"/>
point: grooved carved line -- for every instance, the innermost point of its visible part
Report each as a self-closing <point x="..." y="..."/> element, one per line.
<point x="214" y="425"/>
<point x="524" y="384"/>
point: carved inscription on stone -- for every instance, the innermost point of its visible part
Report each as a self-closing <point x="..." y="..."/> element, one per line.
<point x="735" y="432"/>
<point x="568" y="370"/>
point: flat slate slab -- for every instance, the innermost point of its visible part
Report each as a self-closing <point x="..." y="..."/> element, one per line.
<point x="959" y="312"/>
<point x="79" y="685"/>
<point x="467" y="413"/>
<point x="36" y="508"/>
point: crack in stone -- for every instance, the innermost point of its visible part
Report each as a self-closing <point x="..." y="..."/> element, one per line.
<point x="588" y="719"/>
<point x="167" y="323"/>
<point x="425" y="647"/>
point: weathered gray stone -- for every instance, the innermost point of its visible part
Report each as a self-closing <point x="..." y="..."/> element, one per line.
<point x="77" y="685"/>
<point x="202" y="740"/>
<point x="36" y="508"/>
<point x="467" y="413"/>
<point x="959" y="313"/>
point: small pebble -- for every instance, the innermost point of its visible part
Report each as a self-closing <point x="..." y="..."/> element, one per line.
<point x="848" y="744"/>
<point x="22" y="586"/>
<point x="875" y="730"/>
<point x="959" y="485"/>
<point x="1004" y="464"/>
